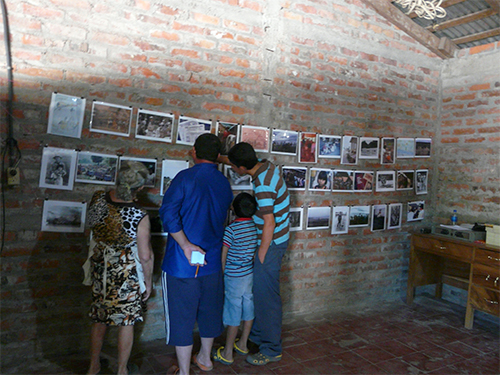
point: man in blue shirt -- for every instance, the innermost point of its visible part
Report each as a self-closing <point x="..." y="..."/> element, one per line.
<point x="193" y="212"/>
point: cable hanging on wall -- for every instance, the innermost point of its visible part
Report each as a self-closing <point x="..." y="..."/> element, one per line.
<point x="428" y="9"/>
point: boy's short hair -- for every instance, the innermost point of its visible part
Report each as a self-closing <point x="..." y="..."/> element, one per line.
<point x="207" y="147"/>
<point x="243" y="155"/>
<point x="244" y="205"/>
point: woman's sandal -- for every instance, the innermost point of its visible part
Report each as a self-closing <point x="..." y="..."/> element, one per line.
<point x="238" y="350"/>
<point x="217" y="356"/>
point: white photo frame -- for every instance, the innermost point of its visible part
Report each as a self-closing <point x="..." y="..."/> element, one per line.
<point x="385" y="181"/>
<point x="387" y="150"/>
<point x="228" y="134"/>
<point x="308" y="142"/>
<point x="257" y="136"/>
<point x="296" y="218"/>
<point x="378" y="217"/>
<point x="318" y="218"/>
<point x="110" y="118"/>
<point x="284" y="142"/>
<point x="415" y="211"/>
<point x="369" y="148"/>
<point x="405" y="180"/>
<point x="423" y="147"/>
<point x="150" y="164"/>
<point x="349" y="150"/>
<point x="295" y="177"/>
<point x="66" y="114"/>
<point x="340" y="220"/>
<point x="421" y="180"/>
<point x="394" y="216"/>
<point x="189" y="128"/>
<point x="169" y="169"/>
<point x="320" y="179"/>
<point x="95" y="168"/>
<point x="154" y="126"/>
<point x="405" y="148"/>
<point x="363" y="181"/>
<point x="359" y="216"/>
<point x="58" y="168"/>
<point x="329" y="146"/>
<point x="236" y="181"/>
<point x="342" y="180"/>
<point x="62" y="216"/>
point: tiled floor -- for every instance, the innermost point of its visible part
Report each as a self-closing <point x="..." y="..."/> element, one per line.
<point x="427" y="338"/>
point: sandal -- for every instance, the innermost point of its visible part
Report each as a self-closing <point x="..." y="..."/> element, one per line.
<point x="260" y="359"/>
<point x="238" y="350"/>
<point x="201" y="366"/>
<point x="217" y="356"/>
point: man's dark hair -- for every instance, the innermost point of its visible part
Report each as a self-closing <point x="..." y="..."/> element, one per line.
<point x="244" y="205"/>
<point x="322" y="175"/>
<point x="243" y="155"/>
<point x="207" y="147"/>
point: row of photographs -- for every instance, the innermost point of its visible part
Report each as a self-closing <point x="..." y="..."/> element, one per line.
<point x="66" y="119"/>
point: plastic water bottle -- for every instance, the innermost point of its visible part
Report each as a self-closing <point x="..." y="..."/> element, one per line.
<point x="454" y="218"/>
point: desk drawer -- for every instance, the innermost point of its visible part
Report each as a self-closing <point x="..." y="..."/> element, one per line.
<point x="489" y="257"/>
<point x="445" y="248"/>
<point x="485" y="300"/>
<point x="486" y="276"/>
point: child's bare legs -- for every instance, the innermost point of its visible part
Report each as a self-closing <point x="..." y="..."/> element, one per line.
<point x="227" y="352"/>
<point x="243" y="342"/>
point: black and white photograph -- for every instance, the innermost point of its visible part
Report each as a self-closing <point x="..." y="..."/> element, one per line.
<point x="318" y="217"/>
<point x="257" y="136"/>
<point x="359" y="216"/>
<point x="169" y="169"/>
<point x="295" y="177"/>
<point x="368" y="147"/>
<point x="423" y="147"/>
<point x="61" y="216"/>
<point x="296" y="221"/>
<point x="395" y="215"/>
<point x="320" y="179"/>
<point x="421" y="178"/>
<point x="343" y="180"/>
<point x="66" y="114"/>
<point x="388" y="150"/>
<point x="308" y="142"/>
<point x="154" y="126"/>
<point x="110" y="118"/>
<point x="349" y="150"/>
<point x="416" y="211"/>
<point x="329" y="146"/>
<point x="386" y="181"/>
<point x="156" y="223"/>
<point x="340" y="219"/>
<point x="363" y="181"/>
<point x="96" y="168"/>
<point x="150" y="164"/>
<point x="228" y="133"/>
<point x="284" y="142"/>
<point x="405" y="148"/>
<point x="188" y="129"/>
<point x="58" y="168"/>
<point x="379" y="212"/>
<point x="237" y="182"/>
<point x="406" y="180"/>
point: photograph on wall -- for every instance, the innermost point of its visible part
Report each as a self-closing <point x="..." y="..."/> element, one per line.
<point x="421" y="178"/>
<point x="386" y="181"/>
<point x="405" y="148"/>
<point x="150" y="164"/>
<point x="343" y="180"/>
<point x="387" y="151"/>
<point x="61" y="216"/>
<point x="257" y="136"/>
<point x="188" y="129"/>
<point x="156" y="223"/>
<point x="359" y="216"/>
<point x="406" y="180"/>
<point x="423" y="147"/>
<point x="111" y="119"/>
<point x="66" y="115"/>
<point x="236" y="181"/>
<point x="296" y="214"/>
<point x="379" y="212"/>
<point x="307" y="147"/>
<point x="284" y="142"/>
<point x="96" y="168"/>
<point x="368" y="148"/>
<point x="295" y="177"/>
<point x="395" y="215"/>
<point x="320" y="179"/>
<point x="318" y="217"/>
<point x="349" y="150"/>
<point x="169" y="169"/>
<point x="228" y="133"/>
<point x="329" y="146"/>
<point x="416" y="211"/>
<point x="58" y="168"/>
<point x="340" y="219"/>
<point x="154" y="126"/>
<point x="363" y="181"/>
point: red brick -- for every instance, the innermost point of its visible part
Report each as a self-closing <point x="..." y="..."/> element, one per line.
<point x="164" y="35"/>
<point x="481" y="86"/>
<point x="168" y="10"/>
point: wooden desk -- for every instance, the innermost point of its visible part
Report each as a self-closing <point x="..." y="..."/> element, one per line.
<point x="436" y="259"/>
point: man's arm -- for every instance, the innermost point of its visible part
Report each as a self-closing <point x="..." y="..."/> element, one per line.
<point x="186" y="246"/>
<point x="267" y="236"/>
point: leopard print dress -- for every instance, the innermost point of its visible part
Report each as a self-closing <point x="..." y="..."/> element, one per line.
<point x="113" y="267"/>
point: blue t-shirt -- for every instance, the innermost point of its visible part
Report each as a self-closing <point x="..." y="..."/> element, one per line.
<point x="241" y="238"/>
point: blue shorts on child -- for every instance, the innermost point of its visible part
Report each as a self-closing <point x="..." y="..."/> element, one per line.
<point x="238" y="299"/>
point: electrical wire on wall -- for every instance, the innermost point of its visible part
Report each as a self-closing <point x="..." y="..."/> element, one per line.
<point x="10" y="149"/>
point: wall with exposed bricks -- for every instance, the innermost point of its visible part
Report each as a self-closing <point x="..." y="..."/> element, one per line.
<point x="329" y="67"/>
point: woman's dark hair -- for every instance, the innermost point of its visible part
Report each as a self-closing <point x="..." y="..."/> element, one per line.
<point x="243" y="155"/>
<point x="244" y="205"/>
<point x="207" y="147"/>
<point x="322" y="176"/>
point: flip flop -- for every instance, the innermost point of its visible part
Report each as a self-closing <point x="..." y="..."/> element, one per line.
<point x="219" y="358"/>
<point x="201" y="366"/>
<point x="173" y="370"/>
<point x="238" y="350"/>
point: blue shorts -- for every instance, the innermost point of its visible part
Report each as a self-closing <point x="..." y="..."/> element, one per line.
<point x="238" y="300"/>
<point x="189" y="301"/>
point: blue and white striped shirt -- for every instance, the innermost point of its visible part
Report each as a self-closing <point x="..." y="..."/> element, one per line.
<point x="241" y="239"/>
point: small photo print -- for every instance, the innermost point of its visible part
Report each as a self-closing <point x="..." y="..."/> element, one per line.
<point x="343" y="180"/>
<point x="368" y="148"/>
<point x="318" y="217"/>
<point x="320" y="179"/>
<point x="154" y="126"/>
<point x="58" y="168"/>
<point x="61" y="216"/>
<point x="421" y="178"/>
<point x="150" y="164"/>
<point x="363" y="181"/>
<point x="307" y="147"/>
<point x="257" y="136"/>
<point x="395" y="215"/>
<point x="405" y="148"/>
<point x="236" y="181"/>
<point x="96" y="168"/>
<point x="295" y="216"/>
<point x="406" y="180"/>
<point x="156" y="223"/>
<point x="349" y="150"/>
<point x="387" y="151"/>
<point x="379" y="212"/>
<point x="295" y="177"/>
<point x="66" y="115"/>
<point x="284" y="142"/>
<point x="359" y="216"/>
<point x="169" y="169"/>
<point x="188" y="129"/>
<point x="340" y="220"/>
<point x="228" y="134"/>
<point x="423" y="147"/>
<point x="386" y="181"/>
<point x="111" y="119"/>
<point x="329" y="146"/>
<point x="416" y="211"/>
